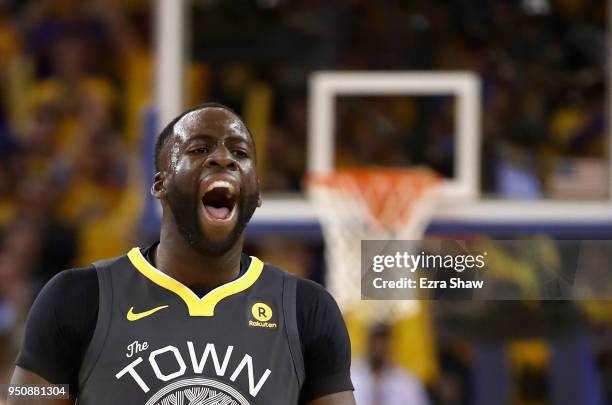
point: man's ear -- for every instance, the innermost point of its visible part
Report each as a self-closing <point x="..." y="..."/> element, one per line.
<point x="158" y="188"/>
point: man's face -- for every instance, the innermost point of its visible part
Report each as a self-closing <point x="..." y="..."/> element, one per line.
<point x="211" y="180"/>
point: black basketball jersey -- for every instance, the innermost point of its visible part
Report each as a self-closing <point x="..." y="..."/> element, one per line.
<point x="156" y="342"/>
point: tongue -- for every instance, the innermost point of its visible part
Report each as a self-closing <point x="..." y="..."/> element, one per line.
<point x="217" y="213"/>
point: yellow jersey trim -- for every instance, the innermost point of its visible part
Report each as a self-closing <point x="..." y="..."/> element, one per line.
<point x="197" y="306"/>
<point x="134" y="316"/>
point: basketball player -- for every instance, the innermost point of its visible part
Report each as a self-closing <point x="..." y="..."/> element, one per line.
<point x="191" y="319"/>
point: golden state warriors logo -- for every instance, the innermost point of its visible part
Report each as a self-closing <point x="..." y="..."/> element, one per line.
<point x="198" y="391"/>
<point x="262" y="316"/>
<point x="192" y="390"/>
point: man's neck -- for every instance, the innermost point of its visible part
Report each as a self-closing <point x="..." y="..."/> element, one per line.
<point x="175" y="257"/>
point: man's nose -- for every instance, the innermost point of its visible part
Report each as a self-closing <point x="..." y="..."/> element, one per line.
<point x="221" y="157"/>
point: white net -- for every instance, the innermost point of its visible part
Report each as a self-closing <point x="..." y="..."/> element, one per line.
<point x="370" y="204"/>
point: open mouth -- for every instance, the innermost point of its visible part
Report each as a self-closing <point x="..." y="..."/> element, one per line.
<point x="219" y="201"/>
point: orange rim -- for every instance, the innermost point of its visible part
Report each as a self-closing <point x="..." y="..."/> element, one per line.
<point x="389" y="194"/>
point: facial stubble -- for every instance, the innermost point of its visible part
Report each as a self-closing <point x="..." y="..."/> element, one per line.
<point x="185" y="209"/>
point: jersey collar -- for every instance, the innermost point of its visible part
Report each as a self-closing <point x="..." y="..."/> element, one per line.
<point x="197" y="306"/>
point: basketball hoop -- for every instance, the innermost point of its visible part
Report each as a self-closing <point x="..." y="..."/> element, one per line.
<point x="369" y="204"/>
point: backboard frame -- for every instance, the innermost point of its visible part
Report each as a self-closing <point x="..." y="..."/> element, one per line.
<point x="292" y="213"/>
<point x="325" y="87"/>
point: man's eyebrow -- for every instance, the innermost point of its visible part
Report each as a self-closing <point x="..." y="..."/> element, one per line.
<point x="197" y="137"/>
<point x="238" y="138"/>
<point x="205" y="136"/>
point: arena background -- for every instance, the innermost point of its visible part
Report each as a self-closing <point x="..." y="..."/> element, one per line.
<point x="85" y="86"/>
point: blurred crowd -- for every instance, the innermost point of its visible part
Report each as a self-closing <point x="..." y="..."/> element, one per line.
<point x="76" y="83"/>
<point x="541" y="63"/>
<point x="73" y="76"/>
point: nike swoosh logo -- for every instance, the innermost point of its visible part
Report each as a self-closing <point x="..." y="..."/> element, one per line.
<point x="131" y="316"/>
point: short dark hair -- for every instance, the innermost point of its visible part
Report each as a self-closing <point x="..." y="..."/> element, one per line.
<point x="168" y="130"/>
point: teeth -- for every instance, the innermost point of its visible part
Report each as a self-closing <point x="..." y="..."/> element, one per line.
<point x="220" y="184"/>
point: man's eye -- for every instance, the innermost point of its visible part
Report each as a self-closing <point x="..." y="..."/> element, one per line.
<point x="201" y="149"/>
<point x="240" y="154"/>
